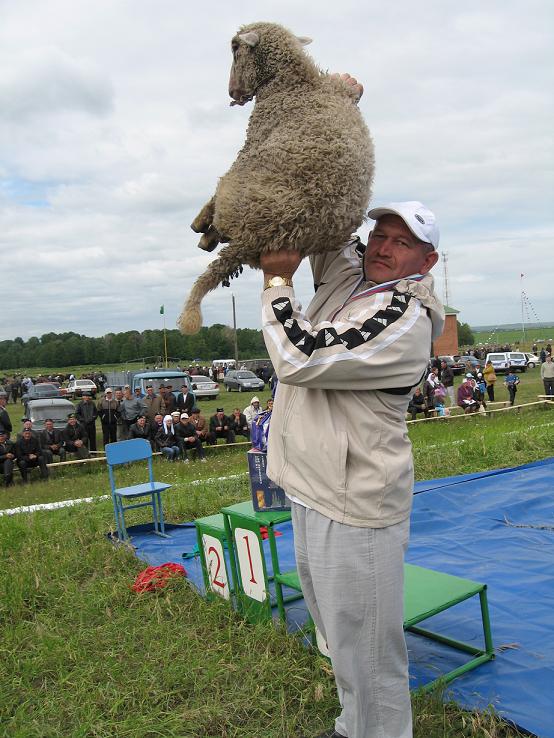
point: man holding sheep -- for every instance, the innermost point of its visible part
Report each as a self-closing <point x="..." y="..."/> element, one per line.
<point x="347" y="368"/>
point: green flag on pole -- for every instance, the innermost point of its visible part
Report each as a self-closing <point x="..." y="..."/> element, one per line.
<point x="162" y="311"/>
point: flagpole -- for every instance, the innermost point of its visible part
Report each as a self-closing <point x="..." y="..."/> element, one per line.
<point x="162" y="311"/>
<point x="522" y="312"/>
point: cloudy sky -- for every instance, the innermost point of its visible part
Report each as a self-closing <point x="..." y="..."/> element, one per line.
<point x="115" y="125"/>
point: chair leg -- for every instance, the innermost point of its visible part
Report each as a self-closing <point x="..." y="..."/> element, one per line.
<point x="161" y="514"/>
<point x="155" y="500"/>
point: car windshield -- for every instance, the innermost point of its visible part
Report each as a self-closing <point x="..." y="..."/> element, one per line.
<point x="44" y="389"/>
<point x="496" y="357"/>
<point x="83" y="383"/>
<point x="246" y="375"/>
<point x="57" y="414"/>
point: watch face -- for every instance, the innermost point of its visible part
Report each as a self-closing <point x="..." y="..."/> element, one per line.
<point x="277" y="281"/>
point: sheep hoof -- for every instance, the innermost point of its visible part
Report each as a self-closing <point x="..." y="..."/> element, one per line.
<point x="209" y="240"/>
<point x="190" y="321"/>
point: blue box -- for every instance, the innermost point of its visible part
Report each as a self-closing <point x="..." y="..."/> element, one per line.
<point x="266" y="495"/>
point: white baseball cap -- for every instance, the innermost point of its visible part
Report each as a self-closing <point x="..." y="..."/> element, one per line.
<point x="419" y="219"/>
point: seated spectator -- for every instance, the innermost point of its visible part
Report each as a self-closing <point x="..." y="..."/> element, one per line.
<point x="240" y="424"/>
<point x="75" y="438"/>
<point x="429" y="387"/>
<point x="7" y="458"/>
<point x="417" y="404"/>
<point x="29" y="455"/>
<point x="166" y="440"/>
<point x="51" y="441"/>
<point x="188" y="440"/>
<point x="252" y="411"/>
<point x="511" y="382"/>
<point x="466" y="396"/>
<point x="141" y="429"/>
<point x="220" y="427"/>
<point x="155" y="426"/>
<point x="439" y="400"/>
<point x="200" y="424"/>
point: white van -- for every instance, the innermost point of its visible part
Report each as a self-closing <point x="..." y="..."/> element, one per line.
<point x="505" y="361"/>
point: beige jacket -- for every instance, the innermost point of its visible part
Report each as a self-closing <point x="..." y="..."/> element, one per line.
<point x="338" y="442"/>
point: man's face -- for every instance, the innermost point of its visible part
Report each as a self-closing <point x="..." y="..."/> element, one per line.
<point x="118" y="394"/>
<point x="394" y="252"/>
<point x="72" y="421"/>
<point x="150" y="391"/>
<point x="49" y="425"/>
<point x="26" y="434"/>
<point x="141" y="422"/>
<point x="158" y="419"/>
<point x="27" y="426"/>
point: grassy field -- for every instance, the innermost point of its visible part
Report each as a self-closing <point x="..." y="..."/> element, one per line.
<point x="82" y="655"/>
<point x="514" y="336"/>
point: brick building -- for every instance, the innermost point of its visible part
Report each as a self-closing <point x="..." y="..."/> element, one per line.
<point x="447" y="343"/>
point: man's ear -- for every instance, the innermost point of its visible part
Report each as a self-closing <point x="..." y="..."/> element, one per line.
<point x="431" y="258"/>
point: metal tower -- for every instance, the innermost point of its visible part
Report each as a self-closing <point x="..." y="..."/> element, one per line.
<point x="446" y="291"/>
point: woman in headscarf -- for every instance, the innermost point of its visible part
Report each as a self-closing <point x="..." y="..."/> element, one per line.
<point x="166" y="440"/>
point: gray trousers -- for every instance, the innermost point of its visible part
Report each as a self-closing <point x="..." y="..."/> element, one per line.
<point x="353" y="583"/>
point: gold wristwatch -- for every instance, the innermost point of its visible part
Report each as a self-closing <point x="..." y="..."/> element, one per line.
<point x="277" y="282"/>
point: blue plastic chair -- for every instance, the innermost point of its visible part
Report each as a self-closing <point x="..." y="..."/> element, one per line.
<point x="123" y="452"/>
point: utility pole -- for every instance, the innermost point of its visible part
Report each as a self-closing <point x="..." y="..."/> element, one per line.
<point x="235" y="332"/>
<point x="446" y="295"/>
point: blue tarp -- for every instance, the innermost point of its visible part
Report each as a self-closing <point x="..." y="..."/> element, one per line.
<point x="493" y="527"/>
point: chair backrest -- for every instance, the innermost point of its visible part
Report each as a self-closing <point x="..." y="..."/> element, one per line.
<point x="122" y="452"/>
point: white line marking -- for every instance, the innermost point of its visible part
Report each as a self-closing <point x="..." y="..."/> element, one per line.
<point x="70" y="503"/>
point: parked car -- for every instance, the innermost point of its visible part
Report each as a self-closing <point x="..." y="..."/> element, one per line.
<point x="157" y="377"/>
<point x="532" y="360"/>
<point x="505" y="361"/>
<point x="204" y="387"/>
<point x="57" y="409"/>
<point x="475" y="363"/>
<point x="40" y="391"/>
<point x="76" y="387"/>
<point x="242" y="380"/>
<point x="456" y="366"/>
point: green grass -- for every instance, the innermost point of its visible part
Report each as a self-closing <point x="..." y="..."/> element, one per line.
<point x="82" y="655"/>
<point x="516" y="336"/>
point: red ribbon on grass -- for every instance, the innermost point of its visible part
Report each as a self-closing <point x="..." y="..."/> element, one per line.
<point x="156" y="577"/>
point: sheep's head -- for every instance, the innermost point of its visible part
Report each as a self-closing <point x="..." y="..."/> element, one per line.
<point x="260" y="51"/>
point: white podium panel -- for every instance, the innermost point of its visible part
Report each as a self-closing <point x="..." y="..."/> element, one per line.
<point x="250" y="564"/>
<point x="215" y="565"/>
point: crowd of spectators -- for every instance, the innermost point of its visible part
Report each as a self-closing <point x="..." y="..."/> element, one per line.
<point x="170" y="422"/>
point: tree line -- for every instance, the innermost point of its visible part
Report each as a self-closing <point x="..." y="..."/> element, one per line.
<point x="59" y="350"/>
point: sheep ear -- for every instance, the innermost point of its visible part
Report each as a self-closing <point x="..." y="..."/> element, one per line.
<point x="304" y="40"/>
<point x="250" y="38"/>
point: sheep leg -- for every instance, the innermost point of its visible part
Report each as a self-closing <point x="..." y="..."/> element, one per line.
<point x="204" y="219"/>
<point x="219" y="271"/>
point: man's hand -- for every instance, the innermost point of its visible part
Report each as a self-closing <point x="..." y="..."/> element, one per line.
<point x="281" y="263"/>
<point x="352" y="82"/>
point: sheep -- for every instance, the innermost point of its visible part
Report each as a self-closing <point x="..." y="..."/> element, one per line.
<point x="303" y="177"/>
